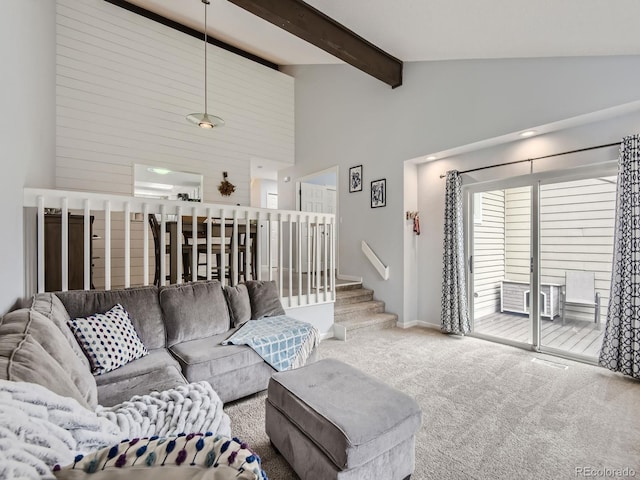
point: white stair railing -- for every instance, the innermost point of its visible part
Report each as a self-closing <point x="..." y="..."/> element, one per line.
<point x="116" y="253"/>
<point x="380" y="267"/>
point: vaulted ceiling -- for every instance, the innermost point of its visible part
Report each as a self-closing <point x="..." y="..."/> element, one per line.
<point x="422" y="30"/>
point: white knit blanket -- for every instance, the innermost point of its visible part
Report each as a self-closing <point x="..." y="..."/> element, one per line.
<point x="191" y="408"/>
<point x="39" y="429"/>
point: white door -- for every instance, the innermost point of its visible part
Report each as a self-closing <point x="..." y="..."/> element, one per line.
<point x="312" y="198"/>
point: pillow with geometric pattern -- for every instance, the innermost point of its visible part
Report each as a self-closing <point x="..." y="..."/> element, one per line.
<point x="184" y="457"/>
<point x="109" y="339"/>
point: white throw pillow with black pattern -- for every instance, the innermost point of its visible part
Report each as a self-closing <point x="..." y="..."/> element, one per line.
<point x="109" y="339"/>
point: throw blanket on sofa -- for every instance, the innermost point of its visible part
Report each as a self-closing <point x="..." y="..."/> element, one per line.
<point x="282" y="341"/>
<point x="190" y="408"/>
<point x="39" y="429"/>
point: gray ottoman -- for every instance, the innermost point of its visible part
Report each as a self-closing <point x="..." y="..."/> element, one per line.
<point x="332" y="421"/>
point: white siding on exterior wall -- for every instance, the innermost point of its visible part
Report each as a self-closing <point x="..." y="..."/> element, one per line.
<point x="576" y="233"/>
<point x="518" y="233"/>
<point x="489" y="254"/>
<point x="124" y="86"/>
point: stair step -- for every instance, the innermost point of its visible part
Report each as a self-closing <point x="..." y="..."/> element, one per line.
<point x="377" y="321"/>
<point x="348" y="286"/>
<point x="357" y="310"/>
<point x="346" y="297"/>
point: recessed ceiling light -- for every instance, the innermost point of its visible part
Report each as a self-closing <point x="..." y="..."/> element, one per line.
<point x="528" y="133"/>
<point x="431" y="157"/>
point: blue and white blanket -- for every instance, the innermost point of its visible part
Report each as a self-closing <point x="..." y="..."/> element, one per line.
<point x="283" y="342"/>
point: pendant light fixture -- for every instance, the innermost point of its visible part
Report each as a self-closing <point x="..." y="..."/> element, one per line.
<point x="204" y="120"/>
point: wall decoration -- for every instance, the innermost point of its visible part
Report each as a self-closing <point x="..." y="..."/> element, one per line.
<point x="379" y="193"/>
<point x="226" y="188"/>
<point x="355" y="179"/>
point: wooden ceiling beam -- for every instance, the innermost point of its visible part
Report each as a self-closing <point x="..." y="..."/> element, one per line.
<point x="313" y="26"/>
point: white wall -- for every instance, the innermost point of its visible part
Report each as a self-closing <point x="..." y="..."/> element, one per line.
<point x="27" y="125"/>
<point x="260" y="189"/>
<point x="431" y="186"/>
<point x="124" y="86"/>
<point x="347" y="118"/>
<point x="320" y="316"/>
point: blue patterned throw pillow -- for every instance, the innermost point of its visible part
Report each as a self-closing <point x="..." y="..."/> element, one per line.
<point x="109" y="339"/>
<point x="205" y="455"/>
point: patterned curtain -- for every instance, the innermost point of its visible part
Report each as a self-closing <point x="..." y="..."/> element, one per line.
<point x="621" y="345"/>
<point x="455" y="314"/>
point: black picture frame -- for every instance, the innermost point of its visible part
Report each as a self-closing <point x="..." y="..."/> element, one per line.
<point x="379" y="193"/>
<point x="355" y="179"/>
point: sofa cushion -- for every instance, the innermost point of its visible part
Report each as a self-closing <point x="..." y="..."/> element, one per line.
<point x="33" y="350"/>
<point x="205" y="358"/>
<point x="49" y="305"/>
<point x="193" y="310"/>
<point x="264" y="298"/>
<point x="141" y="303"/>
<point x="156" y="371"/>
<point x="239" y="304"/>
<point x="108" y="339"/>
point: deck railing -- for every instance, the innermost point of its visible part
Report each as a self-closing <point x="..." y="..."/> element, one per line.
<point x="297" y="249"/>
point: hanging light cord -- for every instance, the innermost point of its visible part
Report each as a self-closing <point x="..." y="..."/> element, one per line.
<point x="206" y="2"/>
<point x="204" y="120"/>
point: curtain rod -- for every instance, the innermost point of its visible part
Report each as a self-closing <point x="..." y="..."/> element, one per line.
<point x="538" y="158"/>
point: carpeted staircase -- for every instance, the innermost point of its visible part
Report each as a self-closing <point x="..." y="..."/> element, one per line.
<point x="355" y="310"/>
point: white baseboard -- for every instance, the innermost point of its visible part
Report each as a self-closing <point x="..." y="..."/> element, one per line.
<point x="326" y="335"/>
<point x="349" y="278"/>
<point x="418" y="323"/>
<point x="339" y="332"/>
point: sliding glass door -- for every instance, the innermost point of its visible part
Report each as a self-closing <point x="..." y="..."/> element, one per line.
<point x="576" y="249"/>
<point x="500" y="276"/>
<point x="539" y="250"/>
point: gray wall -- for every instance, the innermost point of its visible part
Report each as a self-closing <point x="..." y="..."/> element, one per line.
<point x="27" y="125"/>
<point x="345" y="118"/>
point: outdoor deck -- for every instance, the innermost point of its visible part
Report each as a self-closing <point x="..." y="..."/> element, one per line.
<point x="576" y="336"/>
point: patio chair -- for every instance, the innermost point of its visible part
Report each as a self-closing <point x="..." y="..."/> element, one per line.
<point x="580" y="289"/>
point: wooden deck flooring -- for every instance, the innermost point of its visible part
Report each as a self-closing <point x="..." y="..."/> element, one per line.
<point x="576" y="336"/>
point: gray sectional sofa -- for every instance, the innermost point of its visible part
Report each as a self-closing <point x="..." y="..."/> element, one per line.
<point x="182" y="327"/>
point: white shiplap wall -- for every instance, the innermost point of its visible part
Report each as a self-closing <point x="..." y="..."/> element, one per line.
<point x="124" y="87"/>
<point x="489" y="254"/>
<point x="518" y="233"/>
<point x="577" y="222"/>
<point x="576" y="233"/>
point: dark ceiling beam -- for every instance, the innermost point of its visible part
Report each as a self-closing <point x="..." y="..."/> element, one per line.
<point x="310" y="24"/>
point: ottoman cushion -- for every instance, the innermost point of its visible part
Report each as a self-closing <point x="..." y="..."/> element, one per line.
<point x="349" y="415"/>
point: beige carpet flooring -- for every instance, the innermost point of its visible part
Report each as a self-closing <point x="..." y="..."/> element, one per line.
<point x="489" y="411"/>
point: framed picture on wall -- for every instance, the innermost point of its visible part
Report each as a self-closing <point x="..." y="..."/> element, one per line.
<point x="355" y="179"/>
<point x="379" y="193"/>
